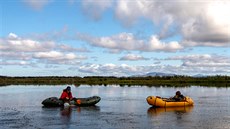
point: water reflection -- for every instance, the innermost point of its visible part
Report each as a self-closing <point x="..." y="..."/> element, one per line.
<point x="73" y="112"/>
<point x="153" y="111"/>
<point x="88" y="109"/>
<point x="66" y="116"/>
<point x="66" y="111"/>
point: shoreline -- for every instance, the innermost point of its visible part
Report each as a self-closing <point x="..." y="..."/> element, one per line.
<point x="170" y="81"/>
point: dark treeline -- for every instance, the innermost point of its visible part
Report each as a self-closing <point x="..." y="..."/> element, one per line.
<point x="218" y="81"/>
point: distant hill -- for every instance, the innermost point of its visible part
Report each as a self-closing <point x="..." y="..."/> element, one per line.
<point x="155" y="74"/>
<point x="160" y="74"/>
<point x="199" y="75"/>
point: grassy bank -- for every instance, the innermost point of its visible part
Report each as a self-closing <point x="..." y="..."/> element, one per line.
<point x="218" y="81"/>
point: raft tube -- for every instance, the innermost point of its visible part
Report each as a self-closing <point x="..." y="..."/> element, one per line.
<point x="157" y="101"/>
<point x="153" y="111"/>
<point x="55" y="102"/>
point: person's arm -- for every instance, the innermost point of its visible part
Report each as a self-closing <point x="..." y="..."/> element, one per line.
<point x="70" y="96"/>
<point x="175" y="96"/>
<point x="63" y="95"/>
<point x="182" y="97"/>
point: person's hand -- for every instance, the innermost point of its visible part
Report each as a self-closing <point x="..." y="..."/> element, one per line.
<point x="67" y="97"/>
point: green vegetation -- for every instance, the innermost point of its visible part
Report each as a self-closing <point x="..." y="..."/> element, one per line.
<point x="217" y="81"/>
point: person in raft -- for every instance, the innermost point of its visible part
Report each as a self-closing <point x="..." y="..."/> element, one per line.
<point x="178" y="96"/>
<point x="66" y="95"/>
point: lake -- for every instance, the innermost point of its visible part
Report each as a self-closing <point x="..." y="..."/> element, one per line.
<point x="119" y="108"/>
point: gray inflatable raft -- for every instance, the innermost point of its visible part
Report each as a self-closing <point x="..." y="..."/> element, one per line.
<point x="55" y="102"/>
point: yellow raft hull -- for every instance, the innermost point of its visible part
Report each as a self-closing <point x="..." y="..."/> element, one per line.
<point x="152" y="111"/>
<point x="163" y="102"/>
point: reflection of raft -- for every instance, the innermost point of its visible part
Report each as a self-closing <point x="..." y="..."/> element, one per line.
<point x="165" y="102"/>
<point x="156" y="111"/>
<point x="55" y="102"/>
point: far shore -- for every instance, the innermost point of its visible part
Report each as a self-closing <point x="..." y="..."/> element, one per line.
<point x="171" y="81"/>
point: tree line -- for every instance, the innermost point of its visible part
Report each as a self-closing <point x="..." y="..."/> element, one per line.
<point x="218" y="81"/>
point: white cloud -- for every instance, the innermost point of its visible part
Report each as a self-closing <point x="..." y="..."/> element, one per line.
<point x="113" y="70"/>
<point x="95" y="9"/>
<point x="205" y="60"/>
<point x="20" y="63"/>
<point x="64" y="47"/>
<point x="15" y="49"/>
<point x="123" y="41"/>
<point x="129" y="11"/>
<point x="156" y="45"/>
<point x="15" y="56"/>
<point x="133" y="57"/>
<point x="200" y="23"/>
<point x="127" y="41"/>
<point x="204" y="23"/>
<point x="191" y="65"/>
<point x="18" y="44"/>
<point x="12" y="36"/>
<point x="37" y="4"/>
<point x="89" y="68"/>
<point x="108" y="69"/>
<point x="55" y="55"/>
<point x="55" y="35"/>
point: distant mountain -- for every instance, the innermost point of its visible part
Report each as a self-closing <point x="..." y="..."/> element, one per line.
<point x="159" y="74"/>
<point x="199" y="75"/>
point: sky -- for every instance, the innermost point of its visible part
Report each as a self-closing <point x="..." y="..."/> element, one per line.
<point x="114" y="37"/>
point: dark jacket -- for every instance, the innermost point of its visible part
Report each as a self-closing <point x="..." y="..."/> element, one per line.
<point x="178" y="97"/>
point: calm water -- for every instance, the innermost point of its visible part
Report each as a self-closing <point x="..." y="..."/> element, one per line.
<point x="119" y="108"/>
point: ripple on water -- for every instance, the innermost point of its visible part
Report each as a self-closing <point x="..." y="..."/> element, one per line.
<point x="13" y="118"/>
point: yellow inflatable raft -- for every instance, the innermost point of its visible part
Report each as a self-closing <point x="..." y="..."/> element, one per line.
<point x="157" y="101"/>
<point x="152" y="111"/>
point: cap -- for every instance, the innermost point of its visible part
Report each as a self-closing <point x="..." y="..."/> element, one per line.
<point x="68" y="88"/>
<point x="178" y="93"/>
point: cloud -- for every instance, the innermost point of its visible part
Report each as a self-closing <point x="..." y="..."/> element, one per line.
<point x="37" y="4"/>
<point x="64" y="47"/>
<point x="156" y="45"/>
<point x="206" y="23"/>
<point x="15" y="56"/>
<point x="52" y="35"/>
<point x="18" y="44"/>
<point x="205" y="60"/>
<point x="202" y="23"/>
<point x="199" y="23"/>
<point x="123" y="41"/>
<point x="15" y="49"/>
<point x="133" y="57"/>
<point x="129" y="11"/>
<point x="191" y="65"/>
<point x="15" y="63"/>
<point x="127" y="41"/>
<point x="58" y="57"/>
<point x="110" y="69"/>
<point x="95" y="9"/>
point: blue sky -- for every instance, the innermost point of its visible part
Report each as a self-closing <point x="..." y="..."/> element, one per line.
<point x="114" y="38"/>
